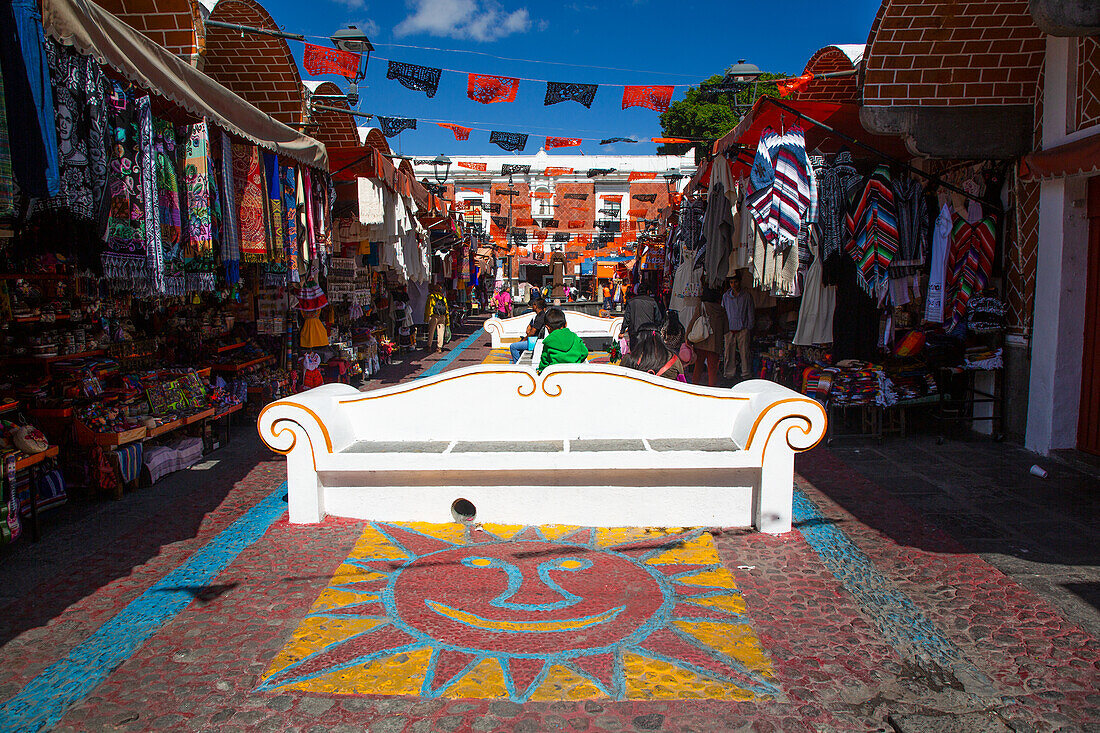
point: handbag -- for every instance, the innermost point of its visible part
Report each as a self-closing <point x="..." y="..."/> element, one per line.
<point x="700" y="330"/>
<point x="686" y="353"/>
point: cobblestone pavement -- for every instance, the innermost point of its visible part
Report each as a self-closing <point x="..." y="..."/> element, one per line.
<point x="194" y="605"/>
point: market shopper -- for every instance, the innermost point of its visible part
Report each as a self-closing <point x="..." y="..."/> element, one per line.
<point x="503" y="301"/>
<point x="652" y="356"/>
<point x="534" y="330"/>
<point x="561" y="346"/>
<point x="707" y="332"/>
<point x="740" y="318"/>
<point x="439" y="317"/>
<point x="643" y="315"/>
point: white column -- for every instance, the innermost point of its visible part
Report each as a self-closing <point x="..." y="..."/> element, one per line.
<point x="1061" y="266"/>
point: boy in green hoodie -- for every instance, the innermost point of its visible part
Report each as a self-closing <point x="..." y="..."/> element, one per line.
<point x="561" y="346"/>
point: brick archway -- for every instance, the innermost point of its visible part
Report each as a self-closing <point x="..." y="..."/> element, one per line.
<point x="258" y="68"/>
<point x="174" y="24"/>
<point x="933" y="67"/>
<point x="334" y="129"/>
<point x="831" y="59"/>
<point x="375" y="139"/>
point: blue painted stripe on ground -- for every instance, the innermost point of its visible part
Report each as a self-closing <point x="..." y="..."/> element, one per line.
<point x="45" y="698"/>
<point x="903" y="624"/>
<point x="446" y="361"/>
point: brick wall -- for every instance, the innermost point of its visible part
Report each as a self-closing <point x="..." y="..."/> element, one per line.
<point x="839" y="89"/>
<point x="943" y="52"/>
<point x="651" y="208"/>
<point x="1088" y="82"/>
<point x="168" y="23"/>
<point x="567" y="210"/>
<point x="333" y="128"/>
<point x="1023" y="242"/>
<point x="258" y="68"/>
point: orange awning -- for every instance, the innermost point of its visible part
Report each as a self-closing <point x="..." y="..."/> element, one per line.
<point x="1071" y="159"/>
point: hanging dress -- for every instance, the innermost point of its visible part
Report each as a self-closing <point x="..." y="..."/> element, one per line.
<point x="815" y="315"/>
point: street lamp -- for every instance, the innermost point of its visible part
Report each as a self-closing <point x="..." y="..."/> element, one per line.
<point x="441" y="161"/>
<point x="738" y="79"/>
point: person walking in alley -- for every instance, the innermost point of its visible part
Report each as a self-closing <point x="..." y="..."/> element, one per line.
<point x="439" y="317"/>
<point x="740" y="317"/>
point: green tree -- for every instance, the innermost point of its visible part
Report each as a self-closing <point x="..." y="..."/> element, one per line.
<point x="709" y="116"/>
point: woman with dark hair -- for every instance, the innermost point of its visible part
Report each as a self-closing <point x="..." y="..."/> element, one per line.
<point x="652" y="356"/>
<point x="713" y="327"/>
<point x="643" y="315"/>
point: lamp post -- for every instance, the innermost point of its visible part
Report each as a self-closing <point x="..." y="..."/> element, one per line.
<point x="739" y="78"/>
<point x="441" y="169"/>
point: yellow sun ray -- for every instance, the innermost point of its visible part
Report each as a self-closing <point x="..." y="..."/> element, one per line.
<point x="504" y="531"/>
<point x="724" y="602"/>
<point x="486" y="680"/>
<point x="565" y="684"/>
<point x="735" y="640"/>
<point x="557" y="531"/>
<point x="316" y="633"/>
<point x="698" y="551"/>
<point x="373" y="545"/>
<point x="716" y="578"/>
<point x="451" y="532"/>
<point x="610" y="536"/>
<point x="397" y="674"/>
<point x="347" y="574"/>
<point x="654" y="679"/>
<point x="331" y="598"/>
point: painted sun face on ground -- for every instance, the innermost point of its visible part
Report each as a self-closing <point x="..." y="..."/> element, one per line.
<point x="528" y="613"/>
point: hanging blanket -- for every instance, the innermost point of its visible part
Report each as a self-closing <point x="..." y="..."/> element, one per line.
<point x="872" y="226"/>
<point x="168" y="195"/>
<point x="248" y="179"/>
<point x="290" y="203"/>
<point x="275" y="268"/>
<point x="231" y="236"/>
<point x="123" y="258"/>
<point x="154" y="250"/>
<point x="969" y="263"/>
<point x="198" y="247"/>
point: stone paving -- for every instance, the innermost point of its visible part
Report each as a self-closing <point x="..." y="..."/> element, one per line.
<point x="194" y="605"/>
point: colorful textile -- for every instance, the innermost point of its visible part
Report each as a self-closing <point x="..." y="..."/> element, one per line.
<point x="652" y="97"/>
<point x="396" y="125"/>
<point x="168" y="195"/>
<point x="558" y="91"/>
<point x="460" y="132"/>
<point x="198" y="247"/>
<point x="10" y="527"/>
<point x="832" y="185"/>
<point x="290" y="211"/>
<point x="128" y="459"/>
<point x="510" y="141"/>
<point x="273" y="183"/>
<point x="154" y="248"/>
<point x="490" y="89"/>
<point x="873" y="233"/>
<point x="305" y="243"/>
<point x="790" y="86"/>
<point x="969" y="263"/>
<point x="321" y="60"/>
<point x="418" y="78"/>
<point x="611" y="140"/>
<point x="50" y="492"/>
<point x="123" y="257"/>
<point x="81" y="116"/>
<point x="562" y="142"/>
<point x="231" y="235"/>
<point x="912" y="212"/>
<point x="248" y="182"/>
<point x="7" y="179"/>
<point x="781" y="191"/>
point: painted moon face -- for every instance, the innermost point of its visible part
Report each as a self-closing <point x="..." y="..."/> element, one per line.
<point x="526" y="597"/>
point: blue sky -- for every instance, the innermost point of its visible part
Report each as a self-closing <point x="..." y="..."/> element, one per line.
<point x="685" y="41"/>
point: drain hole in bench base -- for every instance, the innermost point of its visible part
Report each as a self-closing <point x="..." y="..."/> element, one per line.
<point x="463" y="511"/>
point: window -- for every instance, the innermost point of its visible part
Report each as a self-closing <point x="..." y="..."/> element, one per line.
<point x="542" y="202"/>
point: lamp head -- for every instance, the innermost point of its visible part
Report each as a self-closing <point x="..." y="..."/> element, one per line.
<point x="351" y="39"/>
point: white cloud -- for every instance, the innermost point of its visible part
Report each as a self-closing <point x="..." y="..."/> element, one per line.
<point x="475" y="20"/>
<point x="350" y="4"/>
<point x="543" y="25"/>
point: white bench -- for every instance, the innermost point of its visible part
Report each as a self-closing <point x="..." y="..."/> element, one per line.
<point x="670" y="455"/>
<point x="504" y="330"/>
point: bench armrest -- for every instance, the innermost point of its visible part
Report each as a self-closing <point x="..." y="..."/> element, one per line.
<point x="798" y="421"/>
<point x="314" y="415"/>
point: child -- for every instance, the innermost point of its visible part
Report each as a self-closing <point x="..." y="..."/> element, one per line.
<point x="561" y="346"/>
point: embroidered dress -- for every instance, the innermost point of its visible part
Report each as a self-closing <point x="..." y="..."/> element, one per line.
<point x="912" y="227"/>
<point x="873" y="227"/>
<point x="231" y="235"/>
<point x="123" y="258"/>
<point x="198" y="247"/>
<point x="969" y="263"/>
<point x="290" y="222"/>
<point x="248" y="191"/>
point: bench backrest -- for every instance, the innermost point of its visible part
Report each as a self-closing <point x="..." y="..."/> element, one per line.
<point x="574" y="401"/>
<point x="500" y="329"/>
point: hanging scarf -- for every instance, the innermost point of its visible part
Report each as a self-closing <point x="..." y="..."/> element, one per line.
<point x="198" y="248"/>
<point x="216" y="219"/>
<point x="290" y="202"/>
<point x="154" y="250"/>
<point x="275" y="269"/>
<point x="231" y="236"/>
<point x="248" y="179"/>
<point x="81" y="116"/>
<point x="873" y="233"/>
<point x="123" y="258"/>
<point x="305" y="244"/>
<point x="969" y="263"/>
<point x="168" y="195"/>
<point x="7" y="179"/>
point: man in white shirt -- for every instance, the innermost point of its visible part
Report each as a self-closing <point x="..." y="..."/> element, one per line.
<point x="741" y="317"/>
